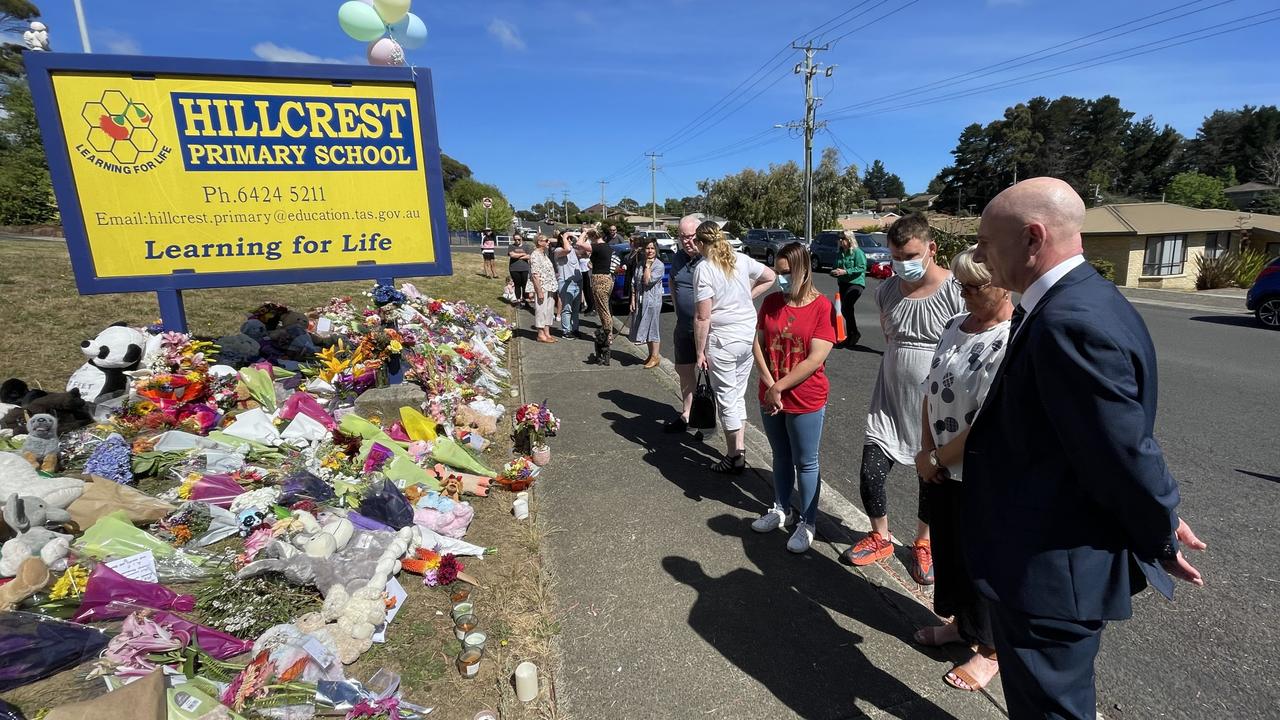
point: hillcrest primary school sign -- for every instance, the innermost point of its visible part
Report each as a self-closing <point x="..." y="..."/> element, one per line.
<point x="175" y="174"/>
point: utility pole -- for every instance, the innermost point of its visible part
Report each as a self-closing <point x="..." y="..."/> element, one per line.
<point x="604" y="209"/>
<point x="809" y="69"/>
<point x="653" y="185"/>
<point x="959" y="198"/>
<point x="566" y="206"/>
<point x="84" y="29"/>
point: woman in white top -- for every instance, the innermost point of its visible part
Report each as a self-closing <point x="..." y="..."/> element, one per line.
<point x="964" y="365"/>
<point x="725" y="286"/>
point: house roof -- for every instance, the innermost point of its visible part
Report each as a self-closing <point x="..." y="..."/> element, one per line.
<point x="1250" y="187"/>
<point x="889" y="201"/>
<point x="963" y="226"/>
<point x="1158" y="217"/>
<point x="923" y="197"/>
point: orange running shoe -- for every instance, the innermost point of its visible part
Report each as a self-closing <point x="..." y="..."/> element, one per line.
<point x="922" y="568"/>
<point x="869" y="549"/>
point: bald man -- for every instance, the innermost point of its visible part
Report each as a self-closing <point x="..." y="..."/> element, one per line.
<point x="1071" y="507"/>
<point x="682" y="266"/>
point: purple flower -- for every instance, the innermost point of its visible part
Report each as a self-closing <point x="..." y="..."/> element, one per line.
<point x="112" y="459"/>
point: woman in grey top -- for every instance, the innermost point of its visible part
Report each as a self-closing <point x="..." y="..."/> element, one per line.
<point x="915" y="305"/>
<point x="646" y="301"/>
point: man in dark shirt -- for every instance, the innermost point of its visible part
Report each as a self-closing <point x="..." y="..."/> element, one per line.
<point x="686" y="258"/>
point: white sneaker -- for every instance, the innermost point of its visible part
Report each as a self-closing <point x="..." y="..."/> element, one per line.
<point x="770" y="521"/>
<point x="801" y="539"/>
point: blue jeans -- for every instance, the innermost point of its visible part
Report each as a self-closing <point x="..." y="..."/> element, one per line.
<point x="794" y="440"/>
<point x="569" y="292"/>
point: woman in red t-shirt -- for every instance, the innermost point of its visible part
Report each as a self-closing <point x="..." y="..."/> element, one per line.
<point x="794" y="332"/>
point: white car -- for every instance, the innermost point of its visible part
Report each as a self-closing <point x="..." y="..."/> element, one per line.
<point x="665" y="241"/>
<point x="734" y="242"/>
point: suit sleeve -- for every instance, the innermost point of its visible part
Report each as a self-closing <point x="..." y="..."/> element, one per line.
<point x="1089" y="387"/>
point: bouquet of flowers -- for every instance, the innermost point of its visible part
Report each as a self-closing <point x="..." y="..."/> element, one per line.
<point x="518" y="474"/>
<point x="435" y="568"/>
<point x="533" y="424"/>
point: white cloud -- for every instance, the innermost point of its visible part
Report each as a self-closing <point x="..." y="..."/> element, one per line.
<point x="116" y="42"/>
<point x="276" y="53"/>
<point x="506" y="33"/>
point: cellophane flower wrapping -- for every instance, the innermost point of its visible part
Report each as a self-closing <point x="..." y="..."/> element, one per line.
<point x="385" y="503"/>
<point x="106" y="586"/>
<point x="34" y="647"/>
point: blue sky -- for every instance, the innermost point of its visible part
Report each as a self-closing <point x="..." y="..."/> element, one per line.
<point x="544" y="97"/>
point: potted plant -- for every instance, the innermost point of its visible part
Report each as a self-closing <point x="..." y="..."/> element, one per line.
<point x="533" y="424"/>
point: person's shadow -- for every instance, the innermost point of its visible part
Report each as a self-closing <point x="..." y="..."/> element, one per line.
<point x="775" y="625"/>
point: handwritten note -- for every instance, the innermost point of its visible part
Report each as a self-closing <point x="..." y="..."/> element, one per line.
<point x="137" y="567"/>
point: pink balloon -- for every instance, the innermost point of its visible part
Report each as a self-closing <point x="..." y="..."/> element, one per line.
<point x="385" y="51"/>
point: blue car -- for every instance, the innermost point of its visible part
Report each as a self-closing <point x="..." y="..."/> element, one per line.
<point x="621" y="298"/>
<point x="1264" y="297"/>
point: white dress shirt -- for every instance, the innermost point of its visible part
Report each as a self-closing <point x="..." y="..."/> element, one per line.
<point x="1036" y="292"/>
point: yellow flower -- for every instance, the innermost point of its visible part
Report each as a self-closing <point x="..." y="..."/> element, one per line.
<point x="71" y="584"/>
<point x="188" y="483"/>
<point x="395" y="346"/>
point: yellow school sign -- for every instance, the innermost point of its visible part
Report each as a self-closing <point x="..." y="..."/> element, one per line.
<point x="174" y="174"/>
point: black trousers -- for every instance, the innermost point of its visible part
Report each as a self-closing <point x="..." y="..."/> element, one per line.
<point x="953" y="590"/>
<point x="1046" y="665"/>
<point x="849" y="295"/>
<point x="519" y="278"/>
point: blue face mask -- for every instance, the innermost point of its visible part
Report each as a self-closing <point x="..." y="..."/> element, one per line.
<point x="910" y="270"/>
<point x="784" y="283"/>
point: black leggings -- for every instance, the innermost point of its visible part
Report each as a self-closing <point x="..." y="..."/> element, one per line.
<point x="876" y="465"/>
<point x="849" y="295"/>
<point x="520" y="278"/>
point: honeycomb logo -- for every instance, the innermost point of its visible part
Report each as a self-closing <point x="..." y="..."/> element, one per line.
<point x="119" y="130"/>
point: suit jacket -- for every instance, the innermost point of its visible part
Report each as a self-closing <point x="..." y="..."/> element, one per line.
<point x="1070" y="502"/>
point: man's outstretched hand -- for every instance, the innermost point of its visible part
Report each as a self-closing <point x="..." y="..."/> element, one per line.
<point x="1179" y="567"/>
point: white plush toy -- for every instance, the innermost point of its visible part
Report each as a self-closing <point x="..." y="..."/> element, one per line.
<point x="28" y="516"/>
<point x="17" y="477"/>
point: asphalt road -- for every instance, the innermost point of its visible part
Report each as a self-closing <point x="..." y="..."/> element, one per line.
<point x="1212" y="652"/>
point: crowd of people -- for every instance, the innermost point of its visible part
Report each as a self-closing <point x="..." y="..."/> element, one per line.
<point x="1044" y="502"/>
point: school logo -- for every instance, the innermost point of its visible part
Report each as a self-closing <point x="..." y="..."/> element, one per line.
<point x="119" y="137"/>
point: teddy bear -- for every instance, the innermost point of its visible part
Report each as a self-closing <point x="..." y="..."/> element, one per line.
<point x="238" y="350"/>
<point x="41" y="446"/>
<point x="115" y="351"/>
<point x="70" y="410"/>
<point x="28" y="517"/>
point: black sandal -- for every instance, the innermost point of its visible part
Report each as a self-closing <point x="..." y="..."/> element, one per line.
<point x="731" y="465"/>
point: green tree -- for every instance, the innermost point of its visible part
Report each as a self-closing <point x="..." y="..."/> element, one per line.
<point x="880" y="183"/>
<point x="1267" y="203"/>
<point x="453" y="171"/>
<point x="672" y="206"/>
<point x="26" y="194"/>
<point x="15" y="17"/>
<point x="1198" y="191"/>
<point x="467" y="193"/>
<point x="629" y="205"/>
<point x="1234" y="137"/>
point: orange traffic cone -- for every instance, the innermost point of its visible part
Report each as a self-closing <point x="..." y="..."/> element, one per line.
<point x="841" y="335"/>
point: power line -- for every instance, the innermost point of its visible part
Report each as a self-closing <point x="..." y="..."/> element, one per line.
<point x="1025" y="59"/>
<point x="841" y="144"/>
<point x="872" y="22"/>
<point x="1123" y="54"/>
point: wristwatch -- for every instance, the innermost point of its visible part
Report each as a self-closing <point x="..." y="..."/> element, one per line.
<point x="933" y="458"/>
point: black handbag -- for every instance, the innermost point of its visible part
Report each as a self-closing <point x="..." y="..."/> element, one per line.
<point x="702" y="413"/>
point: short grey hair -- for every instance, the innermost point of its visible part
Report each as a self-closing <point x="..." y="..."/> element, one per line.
<point x="969" y="271"/>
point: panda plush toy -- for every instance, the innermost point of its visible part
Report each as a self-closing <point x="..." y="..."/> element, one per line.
<point x="115" y="351"/>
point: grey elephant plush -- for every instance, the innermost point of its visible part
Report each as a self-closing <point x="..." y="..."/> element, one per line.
<point x="28" y="517"/>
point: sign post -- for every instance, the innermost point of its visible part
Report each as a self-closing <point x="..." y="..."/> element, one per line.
<point x="174" y="174"/>
<point x="487" y="203"/>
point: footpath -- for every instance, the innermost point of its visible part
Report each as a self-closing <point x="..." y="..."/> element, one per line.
<point x="670" y="606"/>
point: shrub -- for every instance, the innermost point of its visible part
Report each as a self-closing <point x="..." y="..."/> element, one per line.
<point x="949" y="245"/>
<point x="1219" y="272"/>
<point x="1251" y="263"/>
<point x="1105" y="268"/>
<point x="868" y="229"/>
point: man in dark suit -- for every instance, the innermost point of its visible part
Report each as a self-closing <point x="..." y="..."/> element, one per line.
<point x="1071" y="505"/>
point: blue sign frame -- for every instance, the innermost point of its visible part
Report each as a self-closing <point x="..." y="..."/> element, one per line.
<point x="41" y="66"/>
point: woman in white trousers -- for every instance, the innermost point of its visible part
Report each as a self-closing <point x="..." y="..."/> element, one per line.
<point x="724" y="326"/>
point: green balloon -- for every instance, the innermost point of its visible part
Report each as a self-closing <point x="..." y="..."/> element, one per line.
<point x="360" y="21"/>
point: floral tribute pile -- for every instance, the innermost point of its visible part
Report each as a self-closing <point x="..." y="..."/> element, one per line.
<point x="247" y="521"/>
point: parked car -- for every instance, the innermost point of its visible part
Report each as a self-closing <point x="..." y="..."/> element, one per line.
<point x="765" y="244"/>
<point x="825" y="249"/>
<point x="1264" y="297"/>
<point x="734" y="242"/>
<point x="874" y="245"/>
<point x="619" y="299"/>
<point x="665" y="241"/>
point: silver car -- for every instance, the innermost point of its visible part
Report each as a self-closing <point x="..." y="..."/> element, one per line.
<point x="765" y="244"/>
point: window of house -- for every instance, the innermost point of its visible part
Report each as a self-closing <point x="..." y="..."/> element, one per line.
<point x="1165" y="255"/>
<point x="1212" y="245"/>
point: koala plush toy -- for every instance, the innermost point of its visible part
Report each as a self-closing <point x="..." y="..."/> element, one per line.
<point x="41" y="446"/>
